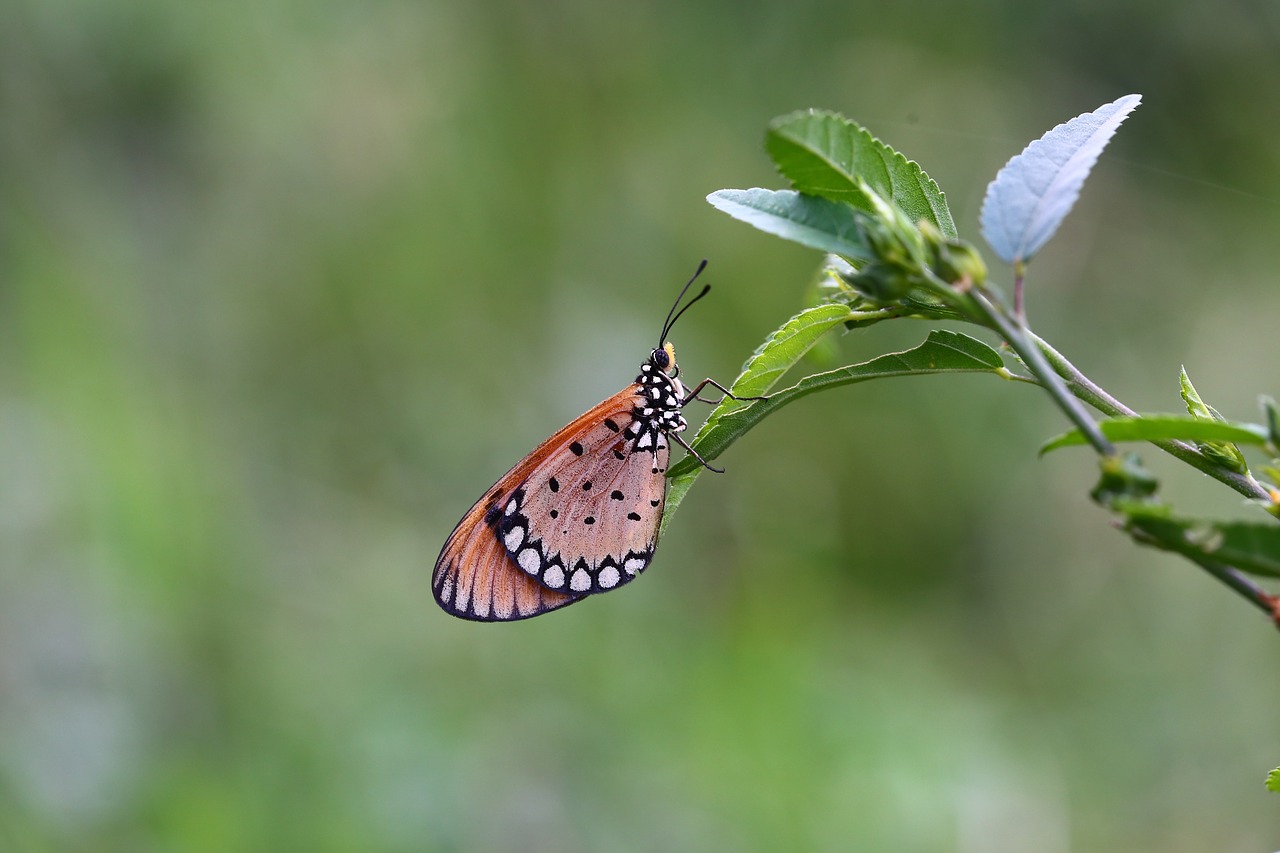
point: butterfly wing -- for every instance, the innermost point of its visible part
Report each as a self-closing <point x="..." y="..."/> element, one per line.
<point x="475" y="579"/>
<point x="586" y="520"/>
<point x="576" y="516"/>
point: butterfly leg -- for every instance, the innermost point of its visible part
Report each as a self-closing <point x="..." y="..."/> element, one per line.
<point x="705" y="464"/>
<point x="693" y="395"/>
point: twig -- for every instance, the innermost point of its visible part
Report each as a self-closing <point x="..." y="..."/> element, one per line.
<point x="1019" y="338"/>
<point x="1085" y="389"/>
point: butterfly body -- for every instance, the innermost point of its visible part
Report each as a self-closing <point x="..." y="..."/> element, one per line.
<point x="579" y="515"/>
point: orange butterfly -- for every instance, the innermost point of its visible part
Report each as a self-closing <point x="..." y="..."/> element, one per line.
<point x="579" y="515"/>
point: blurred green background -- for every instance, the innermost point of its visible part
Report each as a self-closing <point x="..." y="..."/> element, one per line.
<point x="284" y="286"/>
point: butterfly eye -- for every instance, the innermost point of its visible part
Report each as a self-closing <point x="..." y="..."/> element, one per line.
<point x="660" y="359"/>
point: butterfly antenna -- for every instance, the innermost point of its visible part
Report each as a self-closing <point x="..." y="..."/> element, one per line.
<point x="674" y="315"/>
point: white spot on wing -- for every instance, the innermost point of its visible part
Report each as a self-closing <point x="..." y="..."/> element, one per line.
<point x="553" y="577"/>
<point x="581" y="581"/>
<point x="514" y="538"/>
<point x="645" y="440"/>
<point x="609" y="577"/>
<point x="511" y="506"/>
<point x="528" y="560"/>
<point x="633" y="565"/>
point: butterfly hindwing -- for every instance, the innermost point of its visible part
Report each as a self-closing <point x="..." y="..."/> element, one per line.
<point x="475" y="579"/>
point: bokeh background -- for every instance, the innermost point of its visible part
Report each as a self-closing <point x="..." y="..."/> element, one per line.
<point x="284" y="286"/>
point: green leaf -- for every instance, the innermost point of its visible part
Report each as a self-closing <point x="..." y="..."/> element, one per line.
<point x="1164" y="428"/>
<point x="943" y="352"/>
<point x="1248" y="546"/>
<point x="824" y="154"/>
<point x="1195" y="406"/>
<point x="1273" y="780"/>
<point x="1273" y="420"/>
<point x="1225" y="454"/>
<point x="782" y="349"/>
<point x="773" y="358"/>
<point x="808" y="220"/>
<point x="1123" y="479"/>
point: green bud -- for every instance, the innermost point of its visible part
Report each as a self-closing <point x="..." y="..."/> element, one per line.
<point x="959" y="261"/>
<point x="901" y="242"/>
<point x="882" y="282"/>
<point x="951" y="259"/>
<point x="1123" y="478"/>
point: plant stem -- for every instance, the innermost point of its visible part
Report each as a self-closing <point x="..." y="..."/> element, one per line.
<point x="1019" y="307"/>
<point x="1088" y="391"/>
<point x="1022" y="342"/>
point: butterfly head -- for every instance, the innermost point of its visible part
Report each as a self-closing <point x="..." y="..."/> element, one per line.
<point x="664" y="359"/>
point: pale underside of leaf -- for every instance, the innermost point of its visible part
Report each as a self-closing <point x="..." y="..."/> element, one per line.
<point x="818" y="223"/>
<point x="1036" y="190"/>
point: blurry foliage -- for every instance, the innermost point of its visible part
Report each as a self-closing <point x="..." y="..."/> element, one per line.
<point x="281" y="286"/>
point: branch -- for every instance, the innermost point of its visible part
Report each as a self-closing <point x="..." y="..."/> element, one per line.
<point x="1085" y="389"/>
<point x="1023" y="343"/>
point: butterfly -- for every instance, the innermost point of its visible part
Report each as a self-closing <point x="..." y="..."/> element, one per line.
<point x="579" y="515"/>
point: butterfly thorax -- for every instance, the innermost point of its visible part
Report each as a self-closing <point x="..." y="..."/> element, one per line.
<point x="663" y="395"/>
